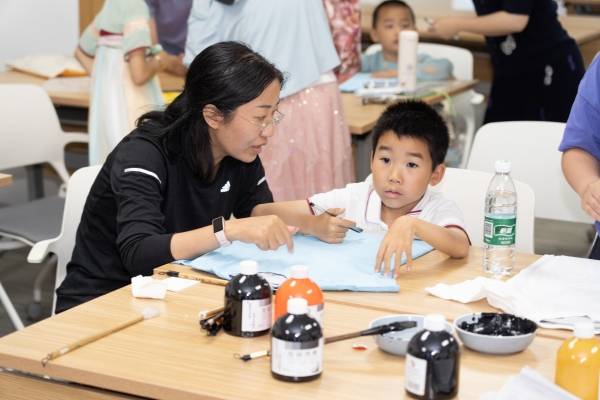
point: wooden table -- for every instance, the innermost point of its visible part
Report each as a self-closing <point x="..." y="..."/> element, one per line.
<point x="5" y="180"/>
<point x="585" y="30"/>
<point x="170" y="358"/>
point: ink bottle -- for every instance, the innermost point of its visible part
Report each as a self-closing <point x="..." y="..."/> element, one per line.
<point x="296" y="344"/>
<point x="299" y="285"/>
<point x="432" y="361"/>
<point x="247" y="303"/>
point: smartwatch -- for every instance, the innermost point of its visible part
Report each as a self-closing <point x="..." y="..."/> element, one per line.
<point x="219" y="230"/>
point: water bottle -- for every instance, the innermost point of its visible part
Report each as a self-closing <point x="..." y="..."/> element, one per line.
<point x="499" y="227"/>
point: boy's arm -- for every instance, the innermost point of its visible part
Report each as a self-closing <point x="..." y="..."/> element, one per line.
<point x="398" y="241"/>
<point x="297" y="213"/>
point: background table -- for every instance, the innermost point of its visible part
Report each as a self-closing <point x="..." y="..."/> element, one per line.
<point x="5" y="179"/>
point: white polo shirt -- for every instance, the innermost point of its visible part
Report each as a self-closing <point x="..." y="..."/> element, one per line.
<point x="363" y="206"/>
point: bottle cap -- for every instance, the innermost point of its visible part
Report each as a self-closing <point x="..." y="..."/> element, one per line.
<point x="434" y="322"/>
<point x="584" y="329"/>
<point x="502" y="166"/>
<point x="299" y="271"/>
<point x="297" y="305"/>
<point x="248" y="267"/>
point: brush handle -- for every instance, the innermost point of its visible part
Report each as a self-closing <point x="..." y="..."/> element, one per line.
<point x="203" y="279"/>
<point x="92" y="338"/>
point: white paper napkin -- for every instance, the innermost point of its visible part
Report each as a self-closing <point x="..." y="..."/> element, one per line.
<point x="147" y="287"/>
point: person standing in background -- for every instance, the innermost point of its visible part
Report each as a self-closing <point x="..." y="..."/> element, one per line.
<point x="117" y="50"/>
<point x="169" y="27"/>
<point x="344" y="22"/>
<point x="311" y="151"/>
<point x="537" y="65"/>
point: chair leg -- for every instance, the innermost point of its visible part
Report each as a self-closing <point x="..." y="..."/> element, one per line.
<point x="10" y="309"/>
<point x="34" y="310"/>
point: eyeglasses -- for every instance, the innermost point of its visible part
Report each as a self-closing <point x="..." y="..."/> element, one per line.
<point x="276" y="120"/>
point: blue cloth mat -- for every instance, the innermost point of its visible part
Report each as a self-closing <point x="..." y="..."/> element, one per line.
<point x="345" y="266"/>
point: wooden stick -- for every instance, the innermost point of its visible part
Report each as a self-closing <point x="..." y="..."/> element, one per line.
<point x="203" y="279"/>
<point x="147" y="313"/>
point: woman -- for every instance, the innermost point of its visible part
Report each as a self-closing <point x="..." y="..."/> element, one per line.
<point x="537" y="66"/>
<point x="166" y="190"/>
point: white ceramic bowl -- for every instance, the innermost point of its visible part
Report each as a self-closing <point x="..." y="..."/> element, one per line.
<point x="493" y="344"/>
<point x="397" y="342"/>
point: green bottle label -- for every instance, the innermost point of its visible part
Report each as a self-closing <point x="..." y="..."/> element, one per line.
<point x="499" y="231"/>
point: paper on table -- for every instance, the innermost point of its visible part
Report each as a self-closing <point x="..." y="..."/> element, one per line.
<point x="48" y="65"/>
<point x="552" y="287"/>
<point x="531" y="385"/>
<point x="175" y="284"/>
<point x="69" y="85"/>
<point x="147" y="287"/>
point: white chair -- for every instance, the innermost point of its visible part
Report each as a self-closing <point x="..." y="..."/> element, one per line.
<point x="468" y="188"/>
<point x="532" y="148"/>
<point x="62" y="245"/>
<point x="467" y="104"/>
<point x="30" y="134"/>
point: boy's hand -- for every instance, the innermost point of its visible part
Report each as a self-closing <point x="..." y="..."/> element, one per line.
<point x="397" y="241"/>
<point x="329" y="228"/>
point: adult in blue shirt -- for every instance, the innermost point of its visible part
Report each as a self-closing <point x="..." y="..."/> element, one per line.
<point x="537" y="65"/>
<point x="581" y="147"/>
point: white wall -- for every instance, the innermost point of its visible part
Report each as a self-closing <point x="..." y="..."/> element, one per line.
<point x="37" y="26"/>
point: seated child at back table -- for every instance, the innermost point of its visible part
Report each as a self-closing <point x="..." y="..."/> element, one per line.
<point x="410" y="141"/>
<point x="389" y="18"/>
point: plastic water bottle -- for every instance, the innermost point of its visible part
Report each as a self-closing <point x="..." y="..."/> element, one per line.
<point x="499" y="227"/>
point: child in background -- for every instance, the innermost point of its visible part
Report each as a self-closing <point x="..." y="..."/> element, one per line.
<point x="389" y="19"/>
<point x="116" y="49"/>
<point x="410" y="141"/>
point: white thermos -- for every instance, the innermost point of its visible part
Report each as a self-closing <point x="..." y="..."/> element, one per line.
<point x="407" y="60"/>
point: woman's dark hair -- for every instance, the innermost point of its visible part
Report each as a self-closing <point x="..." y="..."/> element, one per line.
<point x="417" y="120"/>
<point x="226" y="75"/>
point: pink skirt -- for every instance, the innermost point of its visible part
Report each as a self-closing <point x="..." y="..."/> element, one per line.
<point x="310" y="151"/>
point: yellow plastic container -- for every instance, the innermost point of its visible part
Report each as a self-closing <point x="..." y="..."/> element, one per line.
<point x="578" y="363"/>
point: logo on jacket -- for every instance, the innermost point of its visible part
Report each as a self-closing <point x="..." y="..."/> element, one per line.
<point x="226" y="187"/>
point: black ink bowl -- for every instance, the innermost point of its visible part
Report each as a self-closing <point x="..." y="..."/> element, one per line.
<point x="495" y="333"/>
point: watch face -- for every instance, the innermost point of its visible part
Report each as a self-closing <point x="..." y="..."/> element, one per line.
<point x="217" y="224"/>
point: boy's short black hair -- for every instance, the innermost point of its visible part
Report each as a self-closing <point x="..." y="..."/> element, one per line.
<point x="417" y="120"/>
<point x="395" y="3"/>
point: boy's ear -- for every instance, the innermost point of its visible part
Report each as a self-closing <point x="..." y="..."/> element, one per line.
<point x="438" y="174"/>
<point x="374" y="36"/>
<point x="212" y="116"/>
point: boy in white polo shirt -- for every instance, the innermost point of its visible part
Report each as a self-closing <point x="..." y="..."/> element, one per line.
<point x="410" y="141"/>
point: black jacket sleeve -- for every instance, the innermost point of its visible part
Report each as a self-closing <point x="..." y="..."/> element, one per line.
<point x="138" y="179"/>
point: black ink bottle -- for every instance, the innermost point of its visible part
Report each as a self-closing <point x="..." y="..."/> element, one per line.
<point x="432" y="362"/>
<point x="247" y="303"/>
<point x="296" y="344"/>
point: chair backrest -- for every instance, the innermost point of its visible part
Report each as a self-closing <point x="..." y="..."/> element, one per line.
<point x="461" y="59"/>
<point x="78" y="188"/>
<point x="30" y="131"/>
<point x="532" y="148"/>
<point x="467" y="188"/>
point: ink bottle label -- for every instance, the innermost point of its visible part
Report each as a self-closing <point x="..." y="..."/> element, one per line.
<point x="297" y="359"/>
<point x="256" y="315"/>
<point x="415" y="372"/>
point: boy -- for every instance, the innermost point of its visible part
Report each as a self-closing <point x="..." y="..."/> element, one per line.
<point x="410" y="141"/>
<point x="389" y="18"/>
